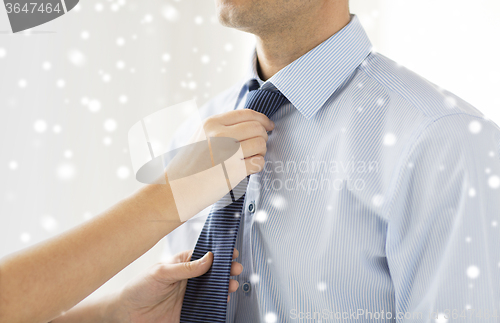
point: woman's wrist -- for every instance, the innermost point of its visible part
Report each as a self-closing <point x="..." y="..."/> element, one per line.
<point x="159" y="207"/>
<point x="108" y="309"/>
<point x="113" y="311"/>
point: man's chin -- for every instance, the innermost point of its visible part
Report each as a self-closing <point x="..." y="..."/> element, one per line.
<point x="231" y="13"/>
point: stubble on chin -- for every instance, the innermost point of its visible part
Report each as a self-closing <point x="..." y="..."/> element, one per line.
<point x="244" y="15"/>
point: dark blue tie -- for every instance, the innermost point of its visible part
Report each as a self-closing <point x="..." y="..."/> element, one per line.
<point x="206" y="296"/>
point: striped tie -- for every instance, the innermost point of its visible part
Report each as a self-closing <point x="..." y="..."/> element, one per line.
<point x="206" y="296"/>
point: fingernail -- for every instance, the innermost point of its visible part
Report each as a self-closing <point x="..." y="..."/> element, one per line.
<point x="204" y="258"/>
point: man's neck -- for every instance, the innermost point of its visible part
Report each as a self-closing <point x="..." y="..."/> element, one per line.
<point x="279" y="48"/>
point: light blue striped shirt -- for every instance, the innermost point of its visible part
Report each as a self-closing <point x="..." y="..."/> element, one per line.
<point x="380" y="199"/>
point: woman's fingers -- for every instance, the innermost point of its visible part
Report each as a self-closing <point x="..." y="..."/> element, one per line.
<point x="254" y="164"/>
<point x="239" y="116"/>
<point x="233" y="285"/>
<point x="236" y="268"/>
<point x="254" y="146"/>
<point x="245" y="130"/>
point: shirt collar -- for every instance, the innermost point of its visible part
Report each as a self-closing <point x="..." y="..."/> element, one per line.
<point x="312" y="78"/>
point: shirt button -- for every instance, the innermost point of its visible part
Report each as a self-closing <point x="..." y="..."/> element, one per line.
<point x="251" y="207"/>
<point x="246" y="287"/>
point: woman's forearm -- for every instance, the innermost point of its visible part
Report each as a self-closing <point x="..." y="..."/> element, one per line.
<point x="41" y="282"/>
<point x="102" y="310"/>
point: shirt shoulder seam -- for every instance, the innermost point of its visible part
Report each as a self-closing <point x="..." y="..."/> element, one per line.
<point x="401" y="94"/>
<point x="418" y="133"/>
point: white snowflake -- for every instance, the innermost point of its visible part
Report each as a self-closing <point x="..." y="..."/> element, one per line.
<point x="107" y="141"/>
<point x="85" y="34"/>
<point x="321" y="286"/>
<point x="120" y="65"/>
<point x="254" y="278"/>
<point x="120" y="41"/>
<point x="475" y="126"/>
<point x="450" y="102"/>
<point x="472" y="272"/>
<point x="22" y="83"/>
<point x="170" y="13"/>
<point x="87" y="215"/>
<point x="390" y="139"/>
<point x="166" y="57"/>
<point x="13" y="165"/>
<point x="76" y="57"/>
<point x="205" y="59"/>
<point x="123" y="99"/>
<point x="93" y="105"/>
<point x="270" y="317"/>
<point x="123" y="172"/>
<point x="198" y="20"/>
<point x="66" y="171"/>
<point x="494" y="181"/>
<point x="191" y="85"/>
<point x="57" y="129"/>
<point x="68" y="154"/>
<point x="147" y="18"/>
<point x="260" y="216"/>
<point x="46" y="66"/>
<point x="197" y="226"/>
<point x="60" y="83"/>
<point x="441" y="318"/>
<point x="279" y="202"/>
<point x="106" y="78"/>
<point x="25" y="237"/>
<point x="40" y="126"/>
<point x="49" y="223"/>
<point x="378" y="200"/>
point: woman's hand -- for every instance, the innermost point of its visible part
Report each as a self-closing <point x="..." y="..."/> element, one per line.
<point x="157" y="295"/>
<point x="229" y="147"/>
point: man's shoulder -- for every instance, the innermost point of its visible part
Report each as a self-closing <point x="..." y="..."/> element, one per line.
<point x="420" y="94"/>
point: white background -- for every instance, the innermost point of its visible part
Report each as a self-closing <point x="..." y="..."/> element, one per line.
<point x="70" y="90"/>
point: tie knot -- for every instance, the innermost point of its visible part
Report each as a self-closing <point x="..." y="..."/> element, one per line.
<point x="262" y="100"/>
<point x="253" y="84"/>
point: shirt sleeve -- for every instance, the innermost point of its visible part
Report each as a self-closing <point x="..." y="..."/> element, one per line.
<point x="443" y="236"/>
